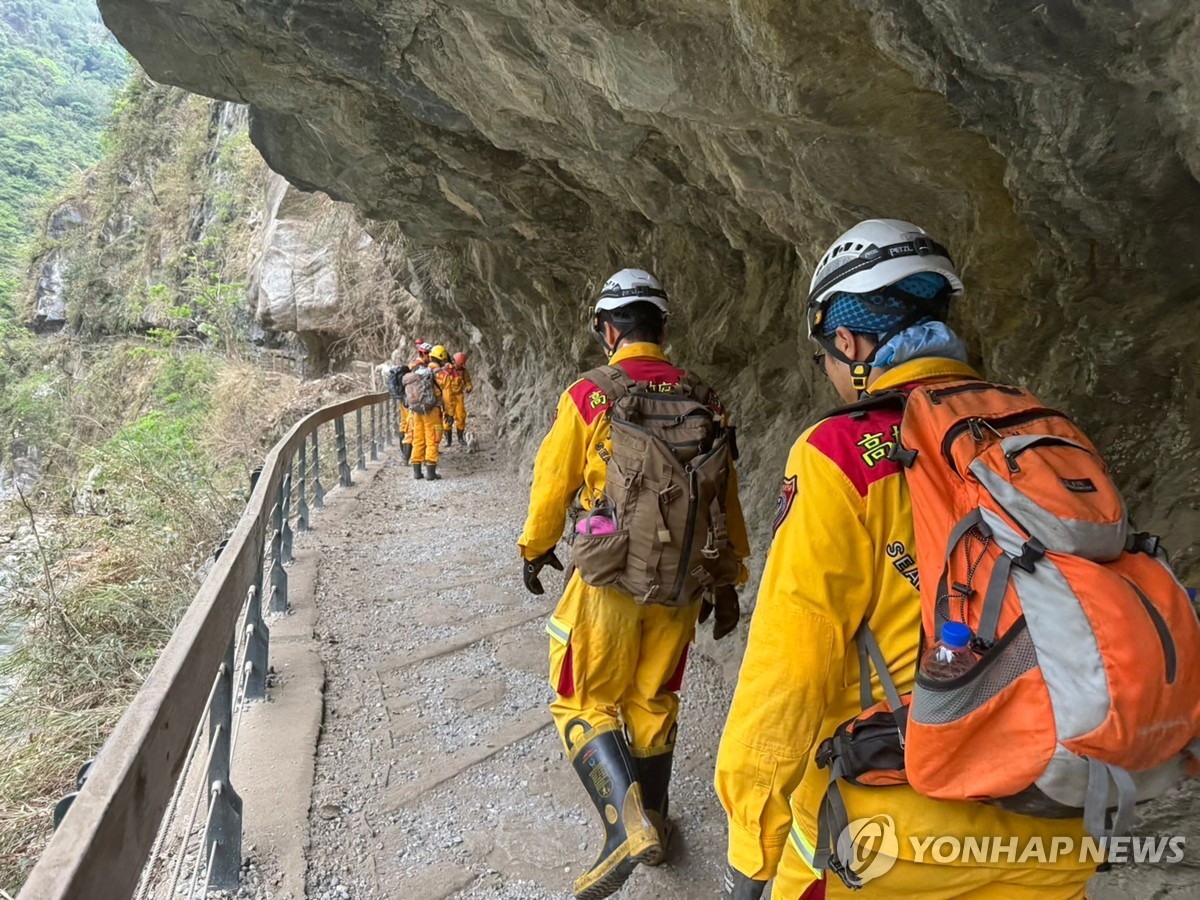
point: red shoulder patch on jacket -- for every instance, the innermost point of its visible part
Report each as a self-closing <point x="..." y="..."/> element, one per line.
<point x="593" y="402"/>
<point x="859" y="445"/>
<point x="589" y="400"/>
<point x="783" y="505"/>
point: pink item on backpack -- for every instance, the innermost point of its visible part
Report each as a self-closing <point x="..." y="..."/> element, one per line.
<point x="596" y="523"/>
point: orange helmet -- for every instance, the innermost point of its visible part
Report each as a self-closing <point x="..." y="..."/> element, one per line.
<point x="460" y="359"/>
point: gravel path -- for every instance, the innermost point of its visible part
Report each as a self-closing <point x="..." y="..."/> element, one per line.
<point x="439" y="774"/>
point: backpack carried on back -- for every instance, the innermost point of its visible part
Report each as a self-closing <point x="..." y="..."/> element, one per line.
<point x="420" y="391"/>
<point x="395" y="384"/>
<point x="1086" y="693"/>
<point x="668" y="477"/>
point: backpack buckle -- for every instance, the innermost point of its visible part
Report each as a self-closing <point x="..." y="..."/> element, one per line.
<point x="842" y="870"/>
<point x="902" y="455"/>
<point x="1031" y="551"/>
<point x="827" y="753"/>
<point x="1142" y="542"/>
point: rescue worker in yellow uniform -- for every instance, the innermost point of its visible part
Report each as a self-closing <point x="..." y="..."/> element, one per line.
<point x="406" y="421"/>
<point x="616" y="665"/>
<point x="426" y="425"/>
<point x="456" y="384"/>
<point x="843" y="553"/>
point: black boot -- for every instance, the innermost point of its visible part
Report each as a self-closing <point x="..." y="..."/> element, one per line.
<point x="740" y="887"/>
<point x="460" y="438"/>
<point x="417" y="473"/>
<point x="654" y="774"/>
<point x="431" y="472"/>
<point x="449" y="436"/>
<point x="602" y="761"/>
<point x="405" y="451"/>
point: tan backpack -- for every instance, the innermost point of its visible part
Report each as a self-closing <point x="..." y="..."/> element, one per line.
<point x="668" y="476"/>
<point x="420" y="391"/>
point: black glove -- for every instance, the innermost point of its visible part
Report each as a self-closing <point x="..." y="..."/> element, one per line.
<point x="532" y="567"/>
<point x="740" y="887"/>
<point x="724" y="600"/>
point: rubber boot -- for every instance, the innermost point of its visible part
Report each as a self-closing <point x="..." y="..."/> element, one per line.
<point x="460" y="438"/>
<point x="449" y="436"/>
<point x="417" y="473"/>
<point x="741" y="887"/>
<point x="603" y="763"/>
<point x="431" y="472"/>
<point x="405" y="451"/>
<point x="654" y="775"/>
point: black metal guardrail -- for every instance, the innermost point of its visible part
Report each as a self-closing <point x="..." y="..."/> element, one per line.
<point x="113" y="829"/>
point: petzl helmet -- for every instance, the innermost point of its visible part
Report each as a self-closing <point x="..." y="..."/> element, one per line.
<point x="631" y="286"/>
<point x="872" y="255"/>
<point x="869" y="259"/>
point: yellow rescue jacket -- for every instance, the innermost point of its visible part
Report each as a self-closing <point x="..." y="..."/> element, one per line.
<point x="843" y="551"/>
<point x="570" y="456"/>
<point x="454" y="381"/>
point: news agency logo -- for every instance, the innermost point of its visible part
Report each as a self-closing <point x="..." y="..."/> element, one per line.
<point x="869" y="846"/>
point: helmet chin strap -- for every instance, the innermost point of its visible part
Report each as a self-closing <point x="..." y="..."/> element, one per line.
<point x="598" y="331"/>
<point x="920" y="308"/>
<point x="860" y="371"/>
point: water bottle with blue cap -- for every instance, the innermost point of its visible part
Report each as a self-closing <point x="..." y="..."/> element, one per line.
<point x="951" y="657"/>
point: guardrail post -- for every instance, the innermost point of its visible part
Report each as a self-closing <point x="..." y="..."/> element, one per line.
<point x="301" y="500"/>
<point x="362" y="460"/>
<point x="339" y="430"/>
<point x="318" y="491"/>
<point x="374" y="432"/>
<point x="258" y="641"/>
<point x="286" y="529"/>
<point x="279" y="578"/>
<point x="223" y="839"/>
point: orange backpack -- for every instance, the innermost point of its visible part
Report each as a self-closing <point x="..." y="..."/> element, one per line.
<point x="1085" y="697"/>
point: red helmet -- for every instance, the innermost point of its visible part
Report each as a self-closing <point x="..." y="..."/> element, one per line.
<point x="460" y="359"/>
<point x="424" y="347"/>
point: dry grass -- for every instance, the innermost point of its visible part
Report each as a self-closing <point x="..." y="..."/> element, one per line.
<point x="170" y="439"/>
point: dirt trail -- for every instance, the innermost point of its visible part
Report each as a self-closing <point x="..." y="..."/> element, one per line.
<point x="438" y="772"/>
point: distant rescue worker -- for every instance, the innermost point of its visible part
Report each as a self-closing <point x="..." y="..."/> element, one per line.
<point x="423" y="399"/>
<point x="456" y="383"/>
<point x="841" y="565"/>
<point x="406" y="422"/>
<point x="641" y="570"/>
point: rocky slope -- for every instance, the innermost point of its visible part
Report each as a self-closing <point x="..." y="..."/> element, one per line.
<point x="540" y="145"/>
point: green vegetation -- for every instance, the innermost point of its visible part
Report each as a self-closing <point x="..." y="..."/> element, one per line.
<point x="168" y="220"/>
<point x="59" y="68"/>
<point x="147" y="452"/>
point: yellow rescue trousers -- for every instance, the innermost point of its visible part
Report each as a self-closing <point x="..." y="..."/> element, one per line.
<point x="426" y="431"/>
<point x="929" y="881"/>
<point x="456" y="412"/>
<point x="614" y="661"/>
<point x="405" y="425"/>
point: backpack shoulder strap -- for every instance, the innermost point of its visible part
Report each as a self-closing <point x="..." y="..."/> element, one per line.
<point x="613" y="380"/>
<point x="695" y="388"/>
<point x="869" y="402"/>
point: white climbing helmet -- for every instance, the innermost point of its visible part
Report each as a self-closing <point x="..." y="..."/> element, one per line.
<point x="872" y="255"/>
<point x="631" y="286"/>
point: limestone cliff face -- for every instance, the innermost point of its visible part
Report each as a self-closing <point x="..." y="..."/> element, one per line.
<point x="723" y="144"/>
